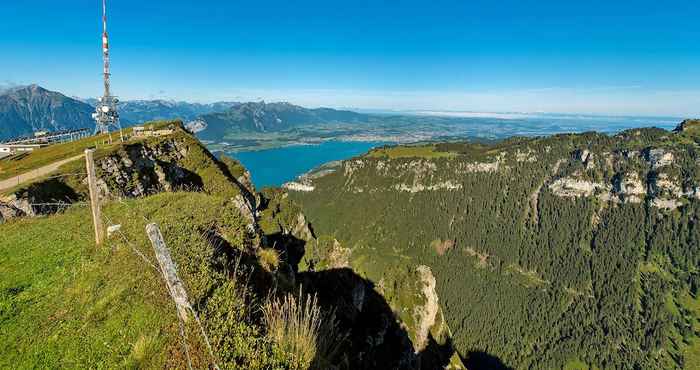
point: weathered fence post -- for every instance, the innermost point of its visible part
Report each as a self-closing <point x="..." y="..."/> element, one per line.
<point x="94" y="196"/>
<point x="175" y="285"/>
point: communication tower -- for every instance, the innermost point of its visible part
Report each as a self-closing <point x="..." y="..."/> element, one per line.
<point x="106" y="115"/>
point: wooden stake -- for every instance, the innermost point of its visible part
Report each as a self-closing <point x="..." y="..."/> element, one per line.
<point x="94" y="196"/>
<point x="167" y="266"/>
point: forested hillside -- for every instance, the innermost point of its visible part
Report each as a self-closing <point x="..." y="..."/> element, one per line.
<point x="570" y="251"/>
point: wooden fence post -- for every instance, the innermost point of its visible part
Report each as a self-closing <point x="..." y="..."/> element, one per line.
<point x="94" y="196"/>
<point x="175" y="285"/>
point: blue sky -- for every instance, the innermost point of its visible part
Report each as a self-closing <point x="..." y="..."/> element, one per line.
<point x="608" y="57"/>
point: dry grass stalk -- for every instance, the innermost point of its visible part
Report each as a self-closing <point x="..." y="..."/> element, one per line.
<point x="301" y="328"/>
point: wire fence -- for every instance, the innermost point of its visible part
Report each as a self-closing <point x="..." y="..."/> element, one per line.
<point x="60" y="204"/>
<point x="65" y="175"/>
<point x="181" y="324"/>
<point x="42" y="173"/>
<point x="130" y="244"/>
<point x="54" y="206"/>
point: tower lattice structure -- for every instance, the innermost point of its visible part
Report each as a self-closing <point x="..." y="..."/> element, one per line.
<point x="106" y="114"/>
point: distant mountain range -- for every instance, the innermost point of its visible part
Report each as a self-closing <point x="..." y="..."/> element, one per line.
<point x="240" y="126"/>
<point x="24" y="110"/>
<point x="270" y="117"/>
<point x="137" y="111"/>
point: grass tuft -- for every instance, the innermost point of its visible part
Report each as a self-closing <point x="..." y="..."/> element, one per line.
<point x="269" y="259"/>
<point x="301" y="328"/>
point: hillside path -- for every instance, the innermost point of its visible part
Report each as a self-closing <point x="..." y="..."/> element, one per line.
<point x="35" y="173"/>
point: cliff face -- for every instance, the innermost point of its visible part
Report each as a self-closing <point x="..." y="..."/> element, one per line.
<point x="137" y="168"/>
<point x="537" y="246"/>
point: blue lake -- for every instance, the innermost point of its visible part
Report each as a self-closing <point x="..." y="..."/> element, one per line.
<point x="274" y="167"/>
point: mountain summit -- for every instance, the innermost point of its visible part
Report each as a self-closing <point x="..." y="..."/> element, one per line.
<point x="26" y="109"/>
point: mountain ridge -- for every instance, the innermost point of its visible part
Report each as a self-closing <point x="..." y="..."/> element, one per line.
<point x="272" y="117"/>
<point x="27" y="109"/>
<point x="548" y="252"/>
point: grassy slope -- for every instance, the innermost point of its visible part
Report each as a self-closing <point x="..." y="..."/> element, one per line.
<point x="215" y="175"/>
<point x="25" y="162"/>
<point x="66" y="303"/>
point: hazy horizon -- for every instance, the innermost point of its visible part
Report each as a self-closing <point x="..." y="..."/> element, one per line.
<point x="506" y="115"/>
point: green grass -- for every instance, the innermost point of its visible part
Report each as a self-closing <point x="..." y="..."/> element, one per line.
<point x="65" y="303"/>
<point x="216" y="176"/>
<point x="25" y="162"/>
<point x="22" y="163"/>
<point x="422" y="151"/>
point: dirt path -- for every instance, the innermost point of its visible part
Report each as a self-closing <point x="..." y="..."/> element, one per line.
<point x="35" y="173"/>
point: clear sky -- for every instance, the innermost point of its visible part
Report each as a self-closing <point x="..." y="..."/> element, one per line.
<point x="615" y="56"/>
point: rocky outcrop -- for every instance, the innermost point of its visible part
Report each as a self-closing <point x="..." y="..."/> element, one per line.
<point x="416" y="188"/>
<point x="338" y="257"/>
<point x="141" y="169"/>
<point x="13" y="206"/>
<point x="586" y="157"/>
<point x="527" y="155"/>
<point x="196" y="126"/>
<point x="418" y="175"/>
<point x="667" y="204"/>
<point x="242" y="205"/>
<point x="663" y="184"/>
<point x="630" y="188"/>
<point x="43" y="197"/>
<point x="8" y="212"/>
<point x="648" y="175"/>
<point x="298" y="186"/>
<point x="476" y="167"/>
<point x="301" y="228"/>
<point x="425" y="313"/>
<point x="572" y="187"/>
<point x="246" y="181"/>
<point x="662" y="191"/>
<point x="658" y="158"/>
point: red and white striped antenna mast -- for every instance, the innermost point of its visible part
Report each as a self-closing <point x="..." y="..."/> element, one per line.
<point x="105" y="47"/>
<point x="106" y="115"/>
